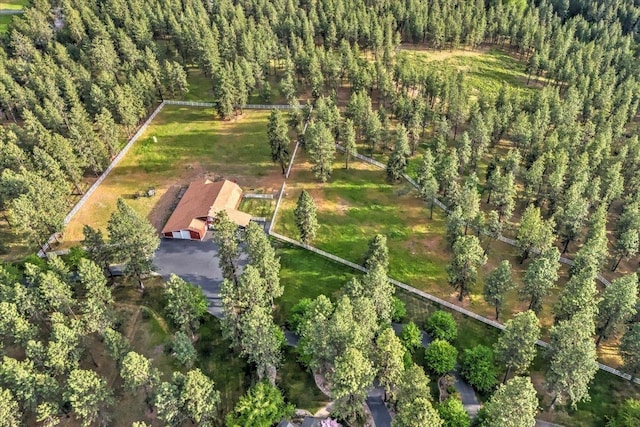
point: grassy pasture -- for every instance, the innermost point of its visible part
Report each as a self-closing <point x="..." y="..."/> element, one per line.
<point x="356" y="204"/>
<point x="191" y="144"/>
<point x="485" y="70"/>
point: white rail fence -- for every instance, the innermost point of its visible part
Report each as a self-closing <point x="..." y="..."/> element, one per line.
<point x="411" y="289"/>
<point x="442" y="206"/>
<point x="53" y="238"/>
<point x="425" y="295"/>
<point x="244" y="107"/>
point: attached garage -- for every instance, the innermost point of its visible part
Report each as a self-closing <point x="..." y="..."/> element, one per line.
<point x="199" y="205"/>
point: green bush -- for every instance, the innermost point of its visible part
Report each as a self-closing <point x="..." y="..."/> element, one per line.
<point x="262" y="406"/>
<point x="453" y="414"/>
<point x="628" y="415"/>
<point x="478" y="368"/>
<point x="441" y="325"/>
<point x="441" y="357"/>
<point x="411" y="336"/>
<point x="298" y="312"/>
<point x="399" y="310"/>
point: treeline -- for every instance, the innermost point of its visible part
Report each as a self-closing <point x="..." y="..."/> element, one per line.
<point x="75" y="78"/>
<point x="74" y="75"/>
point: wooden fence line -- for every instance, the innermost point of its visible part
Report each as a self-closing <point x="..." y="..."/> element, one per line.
<point x="437" y="202"/>
<point x="411" y="289"/>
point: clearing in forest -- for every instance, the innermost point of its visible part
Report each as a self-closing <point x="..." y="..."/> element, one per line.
<point x="485" y="70"/>
<point x="191" y="144"/>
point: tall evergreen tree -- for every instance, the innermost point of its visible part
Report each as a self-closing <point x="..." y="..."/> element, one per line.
<point x="617" y="305"/>
<point x="496" y="286"/>
<point x="133" y="240"/>
<point x="463" y="269"/>
<point x="277" y="132"/>
<point x="322" y="149"/>
<point x="516" y="346"/>
<point x="572" y="360"/>
<point x="306" y="220"/>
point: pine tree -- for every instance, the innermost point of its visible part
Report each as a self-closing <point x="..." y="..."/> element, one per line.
<point x="399" y="158"/>
<point x="347" y="137"/>
<point x="427" y="182"/>
<point x="277" y="132"/>
<point x="227" y="240"/>
<point x="463" y="269"/>
<point x="540" y="278"/>
<point x="306" y="220"/>
<point x="514" y="404"/>
<point x="322" y="149"/>
<point x="133" y="240"/>
<point x="352" y="376"/>
<point x="618" y="304"/>
<point x="516" y="346"/>
<point x="630" y="350"/>
<point x="497" y="284"/>
<point x="378" y="253"/>
<point x="572" y="360"/>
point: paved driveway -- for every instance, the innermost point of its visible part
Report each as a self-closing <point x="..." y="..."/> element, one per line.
<point x="196" y="262"/>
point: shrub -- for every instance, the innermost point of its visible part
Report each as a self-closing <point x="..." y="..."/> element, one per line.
<point x="262" y="406"/>
<point x="441" y="325"/>
<point x="411" y="337"/>
<point x="453" y="414"/>
<point x="628" y="415"/>
<point x="441" y="357"/>
<point x="478" y="368"/>
<point x="399" y="309"/>
<point x="298" y="312"/>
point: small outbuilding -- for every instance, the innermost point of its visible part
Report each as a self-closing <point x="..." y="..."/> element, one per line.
<point x="200" y="204"/>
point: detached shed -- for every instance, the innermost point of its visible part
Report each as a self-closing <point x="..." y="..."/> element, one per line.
<point x="200" y="204"/>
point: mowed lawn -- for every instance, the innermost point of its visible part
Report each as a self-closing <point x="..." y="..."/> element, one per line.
<point x="5" y="20"/>
<point x="13" y="4"/>
<point x="357" y="204"/>
<point x="192" y="144"/>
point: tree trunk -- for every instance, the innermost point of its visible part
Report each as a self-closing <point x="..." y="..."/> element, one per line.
<point x="497" y="313"/>
<point x="553" y="402"/>
<point x="566" y="245"/>
<point x="460" y="296"/>
<point x="140" y="284"/>
<point x="598" y="340"/>
<point x="506" y="375"/>
<point x="615" y="266"/>
<point x="431" y="209"/>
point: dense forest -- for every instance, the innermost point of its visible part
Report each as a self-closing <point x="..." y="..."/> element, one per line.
<point x="563" y="161"/>
<point x="77" y="77"/>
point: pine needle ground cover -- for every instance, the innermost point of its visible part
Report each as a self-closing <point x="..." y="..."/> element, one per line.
<point x="191" y="144"/>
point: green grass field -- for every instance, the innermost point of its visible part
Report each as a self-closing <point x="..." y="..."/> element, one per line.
<point x="356" y="204"/>
<point x="484" y="70"/>
<point x="5" y="20"/>
<point x="13" y="4"/>
<point x="191" y="144"/>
